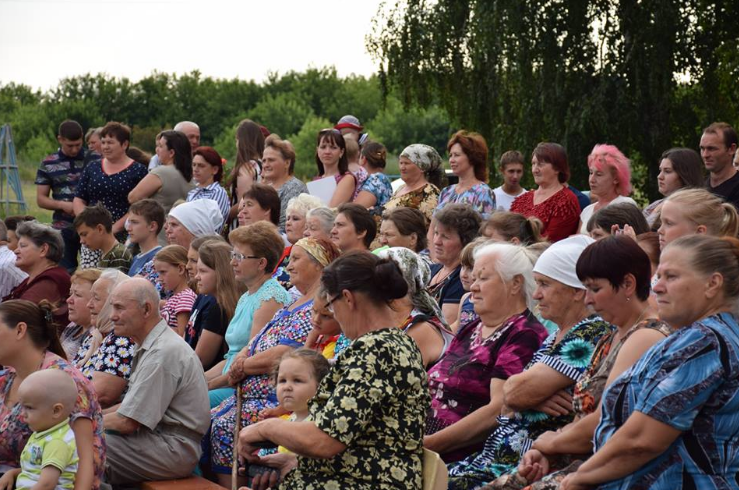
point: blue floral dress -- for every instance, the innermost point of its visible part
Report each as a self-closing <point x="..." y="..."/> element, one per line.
<point x="515" y="434"/>
<point x="480" y="197"/>
<point x="378" y="185"/>
<point x="689" y="381"/>
<point x="287" y="327"/>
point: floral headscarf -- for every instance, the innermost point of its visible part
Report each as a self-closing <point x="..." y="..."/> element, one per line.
<point x="423" y="157"/>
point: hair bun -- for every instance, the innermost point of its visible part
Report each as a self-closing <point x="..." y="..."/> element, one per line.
<point x="389" y="281"/>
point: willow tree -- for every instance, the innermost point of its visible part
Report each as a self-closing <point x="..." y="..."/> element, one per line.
<point x="641" y="74"/>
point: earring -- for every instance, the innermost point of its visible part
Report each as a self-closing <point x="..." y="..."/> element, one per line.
<point x="628" y="298"/>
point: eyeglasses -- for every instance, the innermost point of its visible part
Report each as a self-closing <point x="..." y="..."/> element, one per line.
<point x="238" y="257"/>
<point x="330" y="304"/>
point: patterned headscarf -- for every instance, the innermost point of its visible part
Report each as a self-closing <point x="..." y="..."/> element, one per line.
<point x="323" y="251"/>
<point x="423" y="157"/>
<point x="417" y="274"/>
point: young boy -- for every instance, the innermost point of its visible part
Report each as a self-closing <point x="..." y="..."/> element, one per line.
<point x="145" y="221"/>
<point x="50" y="457"/>
<point x="511" y="166"/>
<point x="94" y="225"/>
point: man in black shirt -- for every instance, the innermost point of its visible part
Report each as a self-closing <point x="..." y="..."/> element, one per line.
<point x="718" y="145"/>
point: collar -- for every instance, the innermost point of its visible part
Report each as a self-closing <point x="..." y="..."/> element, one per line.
<point x="60" y="425"/>
<point x="64" y="156"/>
<point x="156" y="332"/>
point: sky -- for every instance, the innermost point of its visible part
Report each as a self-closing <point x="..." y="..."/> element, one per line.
<point x="42" y="41"/>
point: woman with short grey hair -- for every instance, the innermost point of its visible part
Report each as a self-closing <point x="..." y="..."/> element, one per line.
<point x="319" y="222"/>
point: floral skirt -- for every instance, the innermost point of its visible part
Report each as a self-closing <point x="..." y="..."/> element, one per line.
<point x="549" y="482"/>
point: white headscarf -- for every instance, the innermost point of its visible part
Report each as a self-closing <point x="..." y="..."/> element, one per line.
<point x="201" y="217"/>
<point x="559" y="261"/>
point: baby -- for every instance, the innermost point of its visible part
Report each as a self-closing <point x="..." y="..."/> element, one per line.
<point x="49" y="460"/>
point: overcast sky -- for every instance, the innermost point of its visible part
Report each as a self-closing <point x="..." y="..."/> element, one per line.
<point x="42" y="41"/>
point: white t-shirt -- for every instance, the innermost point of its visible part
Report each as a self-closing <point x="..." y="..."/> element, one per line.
<point x="503" y="200"/>
<point x="588" y="212"/>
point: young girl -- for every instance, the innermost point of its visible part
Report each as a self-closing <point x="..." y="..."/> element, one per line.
<point x="296" y="379"/>
<point x="171" y="265"/>
<point x="467" y="259"/>
<point x="326" y="337"/>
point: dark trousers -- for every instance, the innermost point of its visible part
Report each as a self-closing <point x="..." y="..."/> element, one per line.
<point x="71" y="249"/>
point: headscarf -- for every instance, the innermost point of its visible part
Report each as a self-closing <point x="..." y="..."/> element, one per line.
<point x="417" y="274"/>
<point x="559" y="261"/>
<point x="423" y="156"/>
<point x="323" y="251"/>
<point x="201" y="217"/>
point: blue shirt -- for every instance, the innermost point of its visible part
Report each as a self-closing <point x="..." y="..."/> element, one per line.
<point x="140" y="260"/>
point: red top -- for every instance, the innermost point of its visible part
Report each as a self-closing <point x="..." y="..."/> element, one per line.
<point x="52" y="285"/>
<point x="560" y="214"/>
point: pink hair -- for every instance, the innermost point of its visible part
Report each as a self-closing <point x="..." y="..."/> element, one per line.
<point x="609" y="156"/>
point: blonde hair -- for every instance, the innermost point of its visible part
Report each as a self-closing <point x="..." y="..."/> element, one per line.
<point x="710" y="255"/>
<point x="704" y="208"/>
<point x="467" y="257"/>
<point x="86" y="275"/>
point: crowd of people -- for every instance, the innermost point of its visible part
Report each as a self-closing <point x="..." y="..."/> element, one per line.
<point x="174" y="320"/>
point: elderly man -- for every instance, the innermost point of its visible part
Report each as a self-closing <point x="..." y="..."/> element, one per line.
<point x="155" y="433"/>
<point x="191" y="130"/>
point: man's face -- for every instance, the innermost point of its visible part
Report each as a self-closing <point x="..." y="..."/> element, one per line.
<point x="127" y="315"/>
<point x="71" y="148"/>
<point x="716" y="155"/>
<point x="512" y="174"/>
<point x="193" y="135"/>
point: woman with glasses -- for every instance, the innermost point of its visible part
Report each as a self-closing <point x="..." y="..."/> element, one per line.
<point x="332" y="162"/>
<point x="256" y="250"/>
<point x="253" y="366"/>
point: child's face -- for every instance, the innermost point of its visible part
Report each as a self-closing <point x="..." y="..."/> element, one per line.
<point x="192" y="263"/>
<point x="207" y="279"/>
<point x="465" y="275"/>
<point x="91" y="237"/>
<point x="138" y="229"/>
<point x="295" y="384"/>
<point x="170" y="276"/>
<point x="322" y="320"/>
<point x="40" y="414"/>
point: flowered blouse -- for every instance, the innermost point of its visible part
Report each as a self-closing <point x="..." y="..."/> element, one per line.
<point x="689" y="381"/>
<point x="559" y="214"/>
<point x="467" y="314"/>
<point x="479" y="197"/>
<point x="424" y="199"/>
<point x="460" y="382"/>
<point x="13" y="429"/>
<point x="515" y="434"/>
<point x="114" y="357"/>
<point x="374" y="401"/>
<point x="360" y="176"/>
<point x="378" y="184"/>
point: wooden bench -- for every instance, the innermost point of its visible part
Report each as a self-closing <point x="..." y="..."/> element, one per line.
<point x="192" y="483"/>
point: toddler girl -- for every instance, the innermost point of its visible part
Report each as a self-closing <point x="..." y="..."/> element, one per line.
<point x="171" y="265"/>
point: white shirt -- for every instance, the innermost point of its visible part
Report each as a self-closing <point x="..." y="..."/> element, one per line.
<point x="503" y="200"/>
<point x="588" y="212"/>
<point x="10" y="275"/>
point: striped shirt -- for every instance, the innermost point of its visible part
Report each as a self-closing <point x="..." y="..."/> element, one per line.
<point x="53" y="447"/>
<point x="214" y="192"/>
<point x="179" y="303"/>
<point x="10" y="275"/>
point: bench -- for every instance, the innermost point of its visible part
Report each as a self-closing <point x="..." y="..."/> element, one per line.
<point x="191" y="483"/>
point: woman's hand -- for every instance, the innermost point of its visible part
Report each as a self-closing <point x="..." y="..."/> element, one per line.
<point x="544" y="442"/>
<point x="534" y="466"/>
<point x="251" y="434"/>
<point x="236" y="371"/>
<point x="571" y="482"/>
<point x="558" y="404"/>
<point x="7" y="481"/>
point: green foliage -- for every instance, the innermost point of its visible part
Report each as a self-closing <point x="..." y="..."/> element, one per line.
<point x="282" y="114"/>
<point x="305" y="147"/>
<point x="397" y="127"/>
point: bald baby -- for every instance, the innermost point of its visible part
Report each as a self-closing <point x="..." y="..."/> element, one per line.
<point x="48" y="397"/>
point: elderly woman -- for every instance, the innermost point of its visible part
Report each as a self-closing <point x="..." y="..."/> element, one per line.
<point x="404" y="227"/>
<point x="256" y="250"/>
<point x="278" y="166"/>
<point x="254" y="364"/>
<point x="260" y="203"/>
<point x="485" y="352"/>
<point x="679" y="168"/>
<point x="104" y="357"/>
<point x="537" y="400"/>
<point x="354" y="228"/>
<point x="319" y="222"/>
<point x="421" y="171"/>
<point x="670" y="421"/>
<point x="616" y="274"/>
<point x="295" y="226"/>
<point x="80" y="316"/>
<point x="456" y="226"/>
<point x="191" y="220"/>
<point x="366" y="424"/>
<point x="552" y="202"/>
<point x="610" y="181"/>
<point x="696" y="211"/>
<point x="28" y="343"/>
<point x="417" y="314"/>
<point x="40" y="248"/>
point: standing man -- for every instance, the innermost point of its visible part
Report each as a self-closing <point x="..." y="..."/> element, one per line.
<point x="718" y="145"/>
<point x="59" y="174"/>
<point x="191" y="130"/>
<point x="155" y="433"/>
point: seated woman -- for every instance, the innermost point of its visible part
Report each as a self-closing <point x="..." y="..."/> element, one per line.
<point x="252" y="367"/>
<point x="417" y="314"/>
<point x="456" y="226"/>
<point x="319" y="222"/>
<point x="422" y="174"/>
<point x="405" y="227"/>
<point x="504" y="226"/>
<point x="354" y="228"/>
<point x="40" y="248"/>
<point x="331" y="161"/>
<point x="191" y="220"/>
<point x="376" y="190"/>
<point x="670" y="421"/>
<point x="295" y="226"/>
<point x="207" y="172"/>
<point x="539" y="399"/>
<point x="616" y="217"/>
<point x="616" y="273"/>
<point x="485" y="352"/>
<point x="79" y="314"/>
<point x="104" y="357"/>
<point x="28" y="344"/>
<point x="260" y="203"/>
<point x="367" y="419"/>
<point x="278" y="167"/>
<point x="256" y="250"/>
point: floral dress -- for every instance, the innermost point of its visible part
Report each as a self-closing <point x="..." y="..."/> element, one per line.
<point x="14" y="432"/>
<point x="689" y="381"/>
<point x="378" y="184"/>
<point x="479" y="197"/>
<point x="467" y="314"/>
<point x="424" y="199"/>
<point x="459" y="382"/>
<point x="515" y="434"/>
<point x="114" y="357"/>
<point x="288" y="327"/>
<point x="374" y="401"/>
